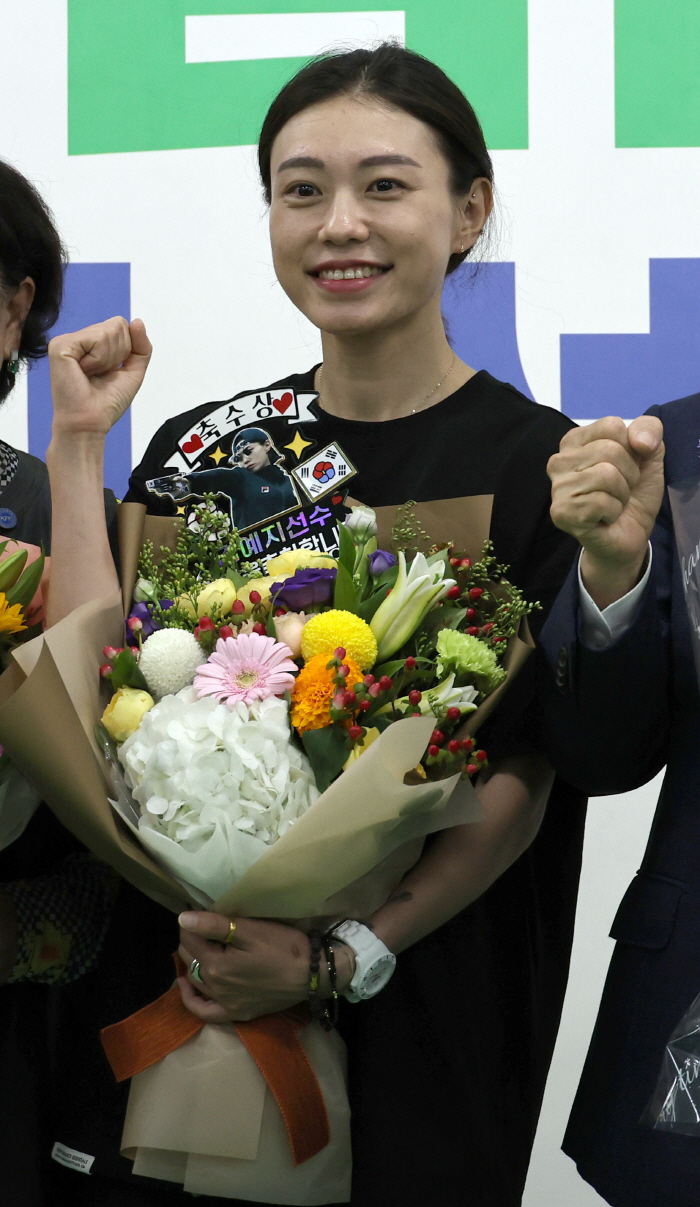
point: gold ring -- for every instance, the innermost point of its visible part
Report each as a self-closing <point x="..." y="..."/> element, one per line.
<point x="231" y="933"/>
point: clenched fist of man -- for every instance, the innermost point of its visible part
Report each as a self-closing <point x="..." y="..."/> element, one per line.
<point x="607" y="487"/>
<point x="96" y="374"/>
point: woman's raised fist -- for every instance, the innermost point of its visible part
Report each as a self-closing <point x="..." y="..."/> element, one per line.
<point x="96" y="374"/>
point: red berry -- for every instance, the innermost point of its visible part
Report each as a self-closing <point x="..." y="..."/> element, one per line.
<point x="255" y="597"/>
<point x="134" y="624"/>
<point x="455" y="561"/>
<point x="110" y="652"/>
<point x="410" y="664"/>
<point x="280" y="612"/>
<point x="343" y="671"/>
<point x="467" y="744"/>
<point x="339" y="653"/>
<point x="453" y="714"/>
<point x="416" y="714"/>
<point x="259" y="629"/>
<point x="237" y="607"/>
<point x="472" y="768"/>
<point x="453" y="746"/>
<point x="365" y="705"/>
<point x="415" y="696"/>
<point x="207" y="625"/>
<point x="476" y="592"/>
<point x="105" y="670"/>
<point x="349" y="699"/>
<point x="374" y="690"/>
<point x="454" y="592"/>
<point x="368" y="680"/>
<point x="497" y="640"/>
<point x="481" y="756"/>
<point x="437" y="736"/>
<point x="433" y="751"/>
<point x="473" y="630"/>
<point x="355" y="732"/>
<point x="385" y="683"/>
<point x="470" y="613"/>
<point x="486" y="629"/>
<point x="196" y="632"/>
<point x="466" y="562"/>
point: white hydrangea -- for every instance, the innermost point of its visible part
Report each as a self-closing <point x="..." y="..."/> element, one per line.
<point x="196" y="766"/>
<point x="168" y="661"/>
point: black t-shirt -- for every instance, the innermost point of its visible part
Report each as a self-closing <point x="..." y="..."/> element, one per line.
<point x="485" y="439"/>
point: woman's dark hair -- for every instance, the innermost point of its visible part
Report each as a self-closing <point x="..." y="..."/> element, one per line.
<point x="30" y="246"/>
<point x="398" y="77"/>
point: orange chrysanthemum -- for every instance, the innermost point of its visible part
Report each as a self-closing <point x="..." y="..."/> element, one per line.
<point x="313" y="691"/>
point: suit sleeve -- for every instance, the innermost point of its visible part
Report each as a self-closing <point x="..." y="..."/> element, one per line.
<point x="606" y="713"/>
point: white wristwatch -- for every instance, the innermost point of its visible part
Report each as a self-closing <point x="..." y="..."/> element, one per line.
<point x="374" y="963"/>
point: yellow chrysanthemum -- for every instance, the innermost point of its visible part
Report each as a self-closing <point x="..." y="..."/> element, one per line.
<point x="313" y="691"/>
<point x="11" y="618"/>
<point x="325" y="632"/>
<point x="286" y="564"/>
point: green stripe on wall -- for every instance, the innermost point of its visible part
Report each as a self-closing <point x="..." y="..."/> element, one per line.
<point x="657" y="73"/>
<point x="131" y="90"/>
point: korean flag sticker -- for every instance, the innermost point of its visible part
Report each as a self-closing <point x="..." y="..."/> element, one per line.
<point x="328" y="469"/>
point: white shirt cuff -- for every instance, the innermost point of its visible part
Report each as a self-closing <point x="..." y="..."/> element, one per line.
<point x="600" y="629"/>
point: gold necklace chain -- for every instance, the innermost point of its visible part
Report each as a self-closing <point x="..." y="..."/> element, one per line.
<point x="421" y="405"/>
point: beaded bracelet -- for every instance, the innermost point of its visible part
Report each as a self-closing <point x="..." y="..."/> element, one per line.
<point x="316" y="941"/>
<point x="329" y="1018"/>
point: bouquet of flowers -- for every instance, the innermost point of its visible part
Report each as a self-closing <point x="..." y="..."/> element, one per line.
<point x="239" y="699"/>
<point x="21" y="612"/>
<point x="276" y="747"/>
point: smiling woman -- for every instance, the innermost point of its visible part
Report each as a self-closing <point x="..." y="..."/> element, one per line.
<point x="379" y="184"/>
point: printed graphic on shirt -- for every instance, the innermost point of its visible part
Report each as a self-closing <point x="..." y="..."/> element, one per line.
<point x="239" y="413"/>
<point x="250" y="479"/>
<point x="326" y="470"/>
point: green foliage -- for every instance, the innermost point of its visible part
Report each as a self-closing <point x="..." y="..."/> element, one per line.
<point x="327" y="751"/>
<point x="126" y="673"/>
<point x="345" y="592"/>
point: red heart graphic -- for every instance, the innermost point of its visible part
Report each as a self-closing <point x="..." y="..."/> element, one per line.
<point x="336" y="499"/>
<point x="193" y="444"/>
<point x="283" y="404"/>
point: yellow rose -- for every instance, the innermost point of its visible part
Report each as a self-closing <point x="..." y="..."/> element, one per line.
<point x="125" y="711"/>
<point x="285" y="565"/>
<point x="184" y="603"/>
<point x="263" y="586"/>
<point x="360" y="747"/>
<point x="219" y="595"/>
<point x="288" y="628"/>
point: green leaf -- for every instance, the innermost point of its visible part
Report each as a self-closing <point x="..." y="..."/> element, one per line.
<point x="126" y="672"/>
<point x="327" y="752"/>
<point x="26" y="587"/>
<point x="236" y="578"/>
<point x="442" y="555"/>
<point x="348" y="551"/>
<point x="345" y="594"/>
<point x="369" y="606"/>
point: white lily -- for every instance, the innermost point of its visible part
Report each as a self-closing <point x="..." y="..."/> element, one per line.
<point x="439" y="699"/>
<point x="415" y="592"/>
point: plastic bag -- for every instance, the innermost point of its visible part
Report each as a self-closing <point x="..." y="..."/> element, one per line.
<point x="675" y="1105"/>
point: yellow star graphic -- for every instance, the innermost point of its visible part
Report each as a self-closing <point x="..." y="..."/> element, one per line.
<point x="218" y="456"/>
<point x="181" y="510"/>
<point x="298" y="445"/>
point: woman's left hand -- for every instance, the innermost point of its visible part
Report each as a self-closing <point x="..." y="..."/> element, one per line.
<point x="264" y="969"/>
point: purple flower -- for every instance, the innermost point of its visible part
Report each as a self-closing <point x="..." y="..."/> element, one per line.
<point x="306" y="589"/>
<point x="380" y="562"/>
<point x="142" y="612"/>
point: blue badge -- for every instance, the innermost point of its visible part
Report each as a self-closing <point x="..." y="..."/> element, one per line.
<point x="8" y="519"/>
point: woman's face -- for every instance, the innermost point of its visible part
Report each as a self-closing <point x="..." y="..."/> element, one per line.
<point x="363" y="189"/>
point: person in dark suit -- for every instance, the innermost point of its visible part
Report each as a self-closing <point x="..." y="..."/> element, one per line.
<point x="620" y="694"/>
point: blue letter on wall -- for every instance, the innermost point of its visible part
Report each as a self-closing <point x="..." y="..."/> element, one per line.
<point x="92" y="293"/>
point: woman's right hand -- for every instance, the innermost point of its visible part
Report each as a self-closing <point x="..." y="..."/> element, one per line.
<point x="96" y="374"/>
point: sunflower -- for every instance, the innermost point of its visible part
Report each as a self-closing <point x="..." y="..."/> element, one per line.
<point x="313" y="691"/>
<point x="11" y="618"/>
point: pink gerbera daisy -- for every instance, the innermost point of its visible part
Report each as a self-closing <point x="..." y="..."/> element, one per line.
<point x="248" y="667"/>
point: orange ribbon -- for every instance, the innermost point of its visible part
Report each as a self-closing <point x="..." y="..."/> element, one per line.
<point x="272" y="1041"/>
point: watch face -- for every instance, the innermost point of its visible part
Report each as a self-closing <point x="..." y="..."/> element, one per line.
<point x="377" y="976"/>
